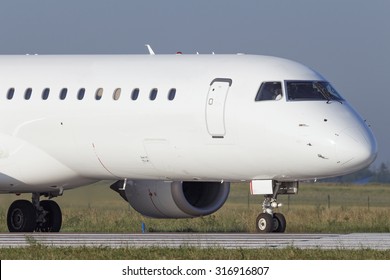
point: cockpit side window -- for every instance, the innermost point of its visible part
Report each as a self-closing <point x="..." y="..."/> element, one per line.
<point x="269" y="91"/>
<point x="311" y="90"/>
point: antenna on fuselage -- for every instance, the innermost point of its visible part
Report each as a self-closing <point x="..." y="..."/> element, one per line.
<point x="151" y="52"/>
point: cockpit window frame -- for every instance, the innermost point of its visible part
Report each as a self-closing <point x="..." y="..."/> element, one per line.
<point x="323" y="94"/>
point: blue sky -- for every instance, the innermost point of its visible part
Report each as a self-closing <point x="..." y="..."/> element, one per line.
<point x="345" y="40"/>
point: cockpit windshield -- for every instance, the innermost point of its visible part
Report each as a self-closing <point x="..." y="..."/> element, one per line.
<point x="311" y="90"/>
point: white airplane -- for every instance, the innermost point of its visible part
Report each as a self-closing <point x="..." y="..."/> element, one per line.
<point x="171" y="131"/>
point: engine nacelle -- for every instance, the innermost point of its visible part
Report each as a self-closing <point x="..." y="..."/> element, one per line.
<point x="161" y="199"/>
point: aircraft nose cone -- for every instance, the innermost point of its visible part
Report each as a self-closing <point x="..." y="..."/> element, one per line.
<point x="358" y="148"/>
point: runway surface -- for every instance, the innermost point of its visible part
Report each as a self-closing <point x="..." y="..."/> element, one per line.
<point x="377" y="241"/>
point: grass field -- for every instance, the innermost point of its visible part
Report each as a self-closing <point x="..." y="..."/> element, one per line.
<point x="318" y="208"/>
<point x="37" y="252"/>
<point x="325" y="208"/>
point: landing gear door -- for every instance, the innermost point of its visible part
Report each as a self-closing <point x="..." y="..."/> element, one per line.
<point x="215" y="106"/>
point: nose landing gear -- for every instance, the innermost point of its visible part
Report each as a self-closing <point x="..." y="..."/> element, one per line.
<point x="269" y="221"/>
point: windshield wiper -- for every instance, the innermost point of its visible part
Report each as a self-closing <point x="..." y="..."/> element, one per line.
<point x="323" y="91"/>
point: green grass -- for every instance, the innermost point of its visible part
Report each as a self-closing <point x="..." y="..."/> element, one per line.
<point x="38" y="252"/>
<point x="98" y="209"/>
<point x="318" y="208"/>
<point x="325" y="208"/>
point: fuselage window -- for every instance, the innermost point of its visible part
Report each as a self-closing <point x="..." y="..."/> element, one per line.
<point x="63" y="93"/>
<point x="172" y="94"/>
<point x="99" y="94"/>
<point x="269" y="91"/>
<point x="81" y="93"/>
<point x="28" y="93"/>
<point x="153" y="94"/>
<point x="10" y="93"/>
<point x="117" y="94"/>
<point x="135" y="94"/>
<point x="45" y="93"/>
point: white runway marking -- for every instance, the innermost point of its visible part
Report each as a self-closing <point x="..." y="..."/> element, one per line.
<point x="377" y="241"/>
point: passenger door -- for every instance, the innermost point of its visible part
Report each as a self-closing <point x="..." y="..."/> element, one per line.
<point x="215" y="107"/>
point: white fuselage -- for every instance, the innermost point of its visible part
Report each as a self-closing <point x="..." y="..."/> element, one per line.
<point x="212" y="130"/>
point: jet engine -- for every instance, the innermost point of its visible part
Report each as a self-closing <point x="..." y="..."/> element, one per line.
<point x="162" y="199"/>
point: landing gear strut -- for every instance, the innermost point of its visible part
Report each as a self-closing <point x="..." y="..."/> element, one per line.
<point x="41" y="216"/>
<point x="269" y="221"/>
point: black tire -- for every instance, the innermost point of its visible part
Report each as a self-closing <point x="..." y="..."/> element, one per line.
<point x="21" y="216"/>
<point x="53" y="217"/>
<point x="264" y="223"/>
<point x="279" y="223"/>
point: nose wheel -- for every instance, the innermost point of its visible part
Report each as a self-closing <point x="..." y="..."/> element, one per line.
<point x="269" y="221"/>
<point x="279" y="223"/>
<point x="266" y="223"/>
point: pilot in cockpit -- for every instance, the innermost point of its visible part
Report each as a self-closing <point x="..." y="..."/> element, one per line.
<point x="271" y="91"/>
<point x="277" y="93"/>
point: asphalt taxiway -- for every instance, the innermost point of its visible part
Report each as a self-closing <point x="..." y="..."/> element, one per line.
<point x="376" y="241"/>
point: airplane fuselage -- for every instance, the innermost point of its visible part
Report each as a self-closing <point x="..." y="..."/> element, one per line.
<point x="71" y="120"/>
